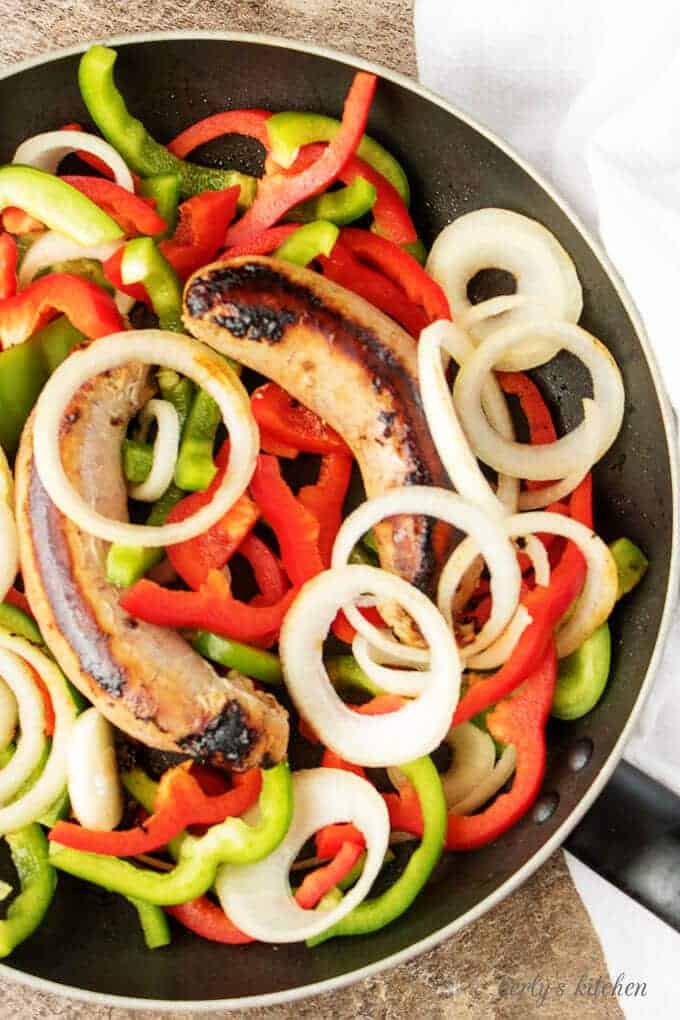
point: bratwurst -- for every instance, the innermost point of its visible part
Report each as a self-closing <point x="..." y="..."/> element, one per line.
<point x="147" y="680"/>
<point x="346" y="361"/>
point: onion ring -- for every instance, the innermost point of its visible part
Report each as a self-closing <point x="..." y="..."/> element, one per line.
<point x="490" y="785"/>
<point x="31" y="743"/>
<point x="257" y="897"/>
<point x="9" y="715"/>
<point x="53" y="247"/>
<point x="500" y="651"/>
<point x="46" y="151"/>
<point x="407" y="682"/>
<point x="165" y="447"/>
<point x="9" y="536"/>
<point x="188" y="357"/>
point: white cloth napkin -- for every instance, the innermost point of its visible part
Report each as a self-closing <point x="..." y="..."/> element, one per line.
<point x="589" y="92"/>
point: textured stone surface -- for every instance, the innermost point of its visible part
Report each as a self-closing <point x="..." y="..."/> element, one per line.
<point x="526" y="957"/>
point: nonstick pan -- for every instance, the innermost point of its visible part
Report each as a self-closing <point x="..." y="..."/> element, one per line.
<point x="89" y="945"/>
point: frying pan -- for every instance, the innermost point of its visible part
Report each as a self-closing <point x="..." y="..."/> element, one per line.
<point x="88" y="946"/>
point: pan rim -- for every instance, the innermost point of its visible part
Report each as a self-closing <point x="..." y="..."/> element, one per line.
<point x="670" y="600"/>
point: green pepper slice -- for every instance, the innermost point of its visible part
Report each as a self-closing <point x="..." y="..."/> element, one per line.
<point x="631" y="564"/>
<point x="154" y="924"/>
<point x="345" y="673"/>
<point x="16" y="621"/>
<point x="128" y="135"/>
<point x="340" y="207"/>
<point x="195" y="468"/>
<point x="38" y="881"/>
<point x="252" y="662"/>
<point x="308" y="242"/>
<point x="143" y="263"/>
<point x="582" y="676"/>
<point x="165" y="189"/>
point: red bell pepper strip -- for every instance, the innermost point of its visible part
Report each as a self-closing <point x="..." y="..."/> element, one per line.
<point x="317" y="883"/>
<point x="331" y="838"/>
<point x="180" y="802"/>
<point x="251" y="123"/>
<point x="88" y="308"/>
<point x="269" y="574"/>
<point x="289" y="421"/>
<point x="87" y="157"/>
<point x="205" y="918"/>
<point x="535" y="410"/>
<point x="401" y="268"/>
<point x="8" y="266"/>
<point x="296" y="528"/>
<point x="344" y="269"/>
<point x="268" y="444"/>
<point x="264" y="243"/>
<point x="16" y="221"/>
<point x="132" y="213"/>
<point x="48" y="707"/>
<point x="277" y="193"/>
<point x="201" y="230"/>
<point x="331" y="760"/>
<point x="212" y="608"/>
<point x="326" y="499"/>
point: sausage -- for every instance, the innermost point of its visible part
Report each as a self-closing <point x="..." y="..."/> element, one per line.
<point x="346" y="361"/>
<point x="147" y="680"/>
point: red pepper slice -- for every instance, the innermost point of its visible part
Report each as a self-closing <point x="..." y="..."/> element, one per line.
<point x="289" y="421"/>
<point x="264" y="243"/>
<point x="48" y="707"/>
<point x="269" y="574"/>
<point x="180" y="802"/>
<point x="251" y="123"/>
<point x="331" y="760"/>
<point x="132" y="213"/>
<point x="88" y="307"/>
<point x="331" y="838"/>
<point x="535" y="410"/>
<point x="201" y="230"/>
<point x="205" y="918"/>
<point x="87" y="157"/>
<point x="16" y="221"/>
<point x="326" y="499"/>
<point x="8" y="266"/>
<point x="320" y="881"/>
<point x="269" y="444"/>
<point x="277" y="193"/>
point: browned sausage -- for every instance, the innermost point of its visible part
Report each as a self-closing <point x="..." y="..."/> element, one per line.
<point x="147" y="680"/>
<point x="342" y="358"/>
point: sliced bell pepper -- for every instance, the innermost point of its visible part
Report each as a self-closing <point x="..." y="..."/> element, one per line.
<point x="95" y="162"/>
<point x="195" y="469"/>
<point x="180" y="802"/>
<point x="132" y="213"/>
<point x="154" y="924"/>
<point x="347" y="271"/>
<point x="373" y="914"/>
<point x="338" y="207"/>
<point x="128" y="135"/>
<point x="137" y="460"/>
<point x="251" y="123"/>
<point x="205" y="918"/>
<point x="289" y="421"/>
<point x="401" y="268"/>
<point x="631" y="564"/>
<point x="345" y="673"/>
<point x="269" y="574"/>
<point x="326" y="498"/>
<point x="288" y="132"/>
<point x="535" y="410"/>
<point x="317" y="883"/>
<point x="164" y="189"/>
<point x="230" y="842"/>
<point x="307" y="243"/>
<point x="143" y="263"/>
<point x="582" y="676"/>
<point x="278" y="193"/>
<point x="8" y="266"/>
<point x="56" y="204"/>
<point x="253" y="662"/>
<point x="88" y="307"/>
<point x="201" y="230"/>
<point x="28" y="848"/>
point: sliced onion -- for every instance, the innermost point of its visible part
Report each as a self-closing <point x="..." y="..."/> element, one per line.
<point x="598" y="595"/>
<point x="538" y="555"/>
<point x="9" y="715"/>
<point x="415" y="729"/>
<point x="46" y="151"/>
<point x="407" y="682"/>
<point x="93" y="782"/>
<point x="52" y="247"/>
<point x="9" y="538"/>
<point x="551" y="460"/>
<point x="490" y="785"/>
<point x="31" y="743"/>
<point x="500" y="651"/>
<point x="157" y="347"/>
<point x="473" y="758"/>
<point x="257" y="897"/>
<point x="501" y="239"/>
<point x="52" y="780"/>
<point x="486" y="538"/>
<point x="165" y="447"/>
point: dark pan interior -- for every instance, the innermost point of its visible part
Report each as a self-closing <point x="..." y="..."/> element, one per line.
<point x="90" y="939"/>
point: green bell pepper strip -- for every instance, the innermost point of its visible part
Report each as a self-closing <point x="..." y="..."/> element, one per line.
<point x="154" y="923"/>
<point x="5" y="891"/>
<point x="340" y="207"/>
<point x="373" y="914"/>
<point x="38" y="881"/>
<point x="141" y="152"/>
<point x="195" y="468"/>
<point x="582" y="676"/>
<point x="16" y="621"/>
<point x="137" y="460"/>
<point x="165" y="189"/>
<point x="143" y="263"/>
<point x="179" y="390"/>
<point x="344" y="672"/>
<point x="253" y="662"/>
<point x="231" y="842"/>
<point x="308" y="242"/>
<point x="289" y="131"/>
<point x="631" y="564"/>
<point x="59" y="810"/>
<point x="363" y="556"/>
<point x="56" y="204"/>
<point x="24" y="370"/>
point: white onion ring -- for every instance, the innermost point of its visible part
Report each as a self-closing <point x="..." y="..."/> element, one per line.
<point x="154" y="346"/>
<point x="486" y="535"/>
<point x="473" y="758"/>
<point x="46" y="151"/>
<point x="52" y="780"/>
<point x="407" y="682"/>
<point x="257" y="897"/>
<point x="538" y="555"/>
<point x="551" y="460"/>
<point x="598" y="595"/>
<point x="9" y="715"/>
<point x="92" y="770"/>
<point x="414" y="730"/>
<point x="165" y="448"/>
<point x="9" y="537"/>
<point x="489" y="786"/>
<point x="500" y="651"/>
<point x="31" y="743"/>
<point x="53" y="247"/>
<point x="501" y="239"/>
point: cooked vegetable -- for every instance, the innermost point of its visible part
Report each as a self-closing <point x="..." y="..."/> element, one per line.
<point x="582" y="676"/>
<point x="28" y="847"/>
<point x="631" y="564"/>
<point x="252" y="662"/>
<point x="165" y="190"/>
<point x="310" y="241"/>
<point x="93" y="783"/>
